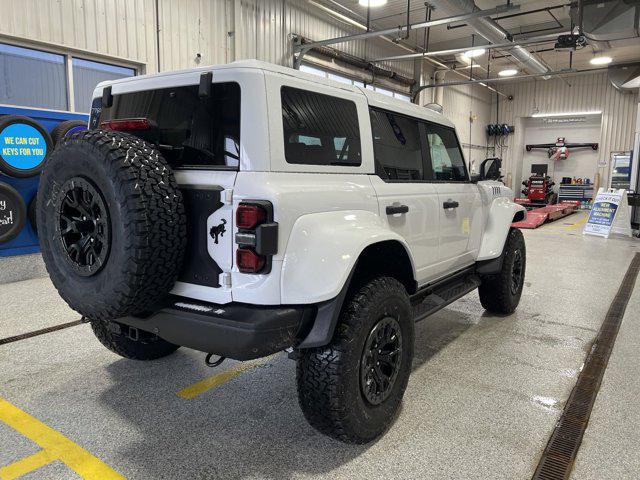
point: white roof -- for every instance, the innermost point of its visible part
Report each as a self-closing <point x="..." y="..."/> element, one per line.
<point x="375" y="99"/>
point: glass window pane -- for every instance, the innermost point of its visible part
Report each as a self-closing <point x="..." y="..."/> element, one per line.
<point x="313" y="70"/>
<point x="194" y="131"/>
<point x="32" y="78"/>
<point x="445" y="153"/>
<point x="401" y="96"/>
<point x="384" y="91"/>
<point x="340" y="78"/>
<point x="396" y="146"/>
<point x="358" y="84"/>
<point x="87" y="74"/>
<point x="319" y="129"/>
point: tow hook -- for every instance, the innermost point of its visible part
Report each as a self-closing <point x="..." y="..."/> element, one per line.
<point x="216" y="363"/>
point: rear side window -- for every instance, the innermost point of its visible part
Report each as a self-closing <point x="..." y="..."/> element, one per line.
<point x="396" y="146"/>
<point x="191" y="131"/>
<point x="445" y="154"/>
<point x="319" y="129"/>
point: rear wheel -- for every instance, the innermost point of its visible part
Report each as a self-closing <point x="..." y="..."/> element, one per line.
<point x="351" y="389"/>
<point x="501" y="292"/>
<point x="130" y="342"/>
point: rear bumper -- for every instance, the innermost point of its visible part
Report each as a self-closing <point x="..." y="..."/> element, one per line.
<point x="234" y="330"/>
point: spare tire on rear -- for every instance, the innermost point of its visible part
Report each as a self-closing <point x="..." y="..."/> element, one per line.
<point x="111" y="223"/>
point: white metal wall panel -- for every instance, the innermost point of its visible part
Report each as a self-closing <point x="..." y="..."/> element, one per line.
<point x="267" y="26"/>
<point x="189" y="27"/>
<point x="117" y="28"/>
<point x="585" y="92"/>
<point x="469" y="108"/>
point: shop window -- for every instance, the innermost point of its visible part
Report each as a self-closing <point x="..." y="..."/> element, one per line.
<point x="87" y="74"/>
<point x="32" y="78"/>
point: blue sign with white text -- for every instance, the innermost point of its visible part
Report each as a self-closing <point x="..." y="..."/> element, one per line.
<point x="22" y="146"/>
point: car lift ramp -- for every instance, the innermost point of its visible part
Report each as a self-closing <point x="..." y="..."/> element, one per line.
<point x="547" y="213"/>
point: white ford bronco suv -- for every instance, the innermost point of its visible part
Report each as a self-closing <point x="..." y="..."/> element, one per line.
<point x="246" y="209"/>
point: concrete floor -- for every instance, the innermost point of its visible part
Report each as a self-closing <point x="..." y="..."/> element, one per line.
<point x="481" y="403"/>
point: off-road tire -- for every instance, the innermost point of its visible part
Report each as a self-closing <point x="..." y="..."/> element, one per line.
<point x="67" y="127"/>
<point x="328" y="378"/>
<point x="144" y="221"/>
<point x="496" y="292"/>
<point x="117" y="338"/>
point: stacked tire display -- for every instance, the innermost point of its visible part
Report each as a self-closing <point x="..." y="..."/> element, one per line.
<point x="25" y="146"/>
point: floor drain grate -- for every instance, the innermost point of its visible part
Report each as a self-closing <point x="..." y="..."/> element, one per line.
<point x="560" y="453"/>
<point x="35" y="333"/>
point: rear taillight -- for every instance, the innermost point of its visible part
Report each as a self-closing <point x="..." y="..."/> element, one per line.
<point x="257" y="236"/>
<point x="250" y="215"/>
<point x="127" y="124"/>
<point x="249" y="261"/>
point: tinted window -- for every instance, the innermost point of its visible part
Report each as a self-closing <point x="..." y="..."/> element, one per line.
<point x="396" y="145"/>
<point x="191" y="131"/>
<point x="446" y="157"/>
<point x="319" y="129"/>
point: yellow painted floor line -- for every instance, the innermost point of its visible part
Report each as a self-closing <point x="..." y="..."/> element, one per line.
<point x="579" y="223"/>
<point x="26" y="465"/>
<point x="55" y="446"/>
<point x="213" y="381"/>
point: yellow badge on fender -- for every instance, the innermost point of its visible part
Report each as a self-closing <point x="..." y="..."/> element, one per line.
<point x="466" y="225"/>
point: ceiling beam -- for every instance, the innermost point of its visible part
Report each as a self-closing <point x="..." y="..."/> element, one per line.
<point x="301" y="49"/>
<point x="485" y="81"/>
<point x="451" y="51"/>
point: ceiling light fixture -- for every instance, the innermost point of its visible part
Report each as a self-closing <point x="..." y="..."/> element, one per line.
<point x="509" y="72"/>
<point x="475" y="52"/>
<point x="566" y="114"/>
<point x="600" y="60"/>
<point x="372" y="3"/>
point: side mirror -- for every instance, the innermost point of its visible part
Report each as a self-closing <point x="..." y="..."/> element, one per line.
<point x="490" y="169"/>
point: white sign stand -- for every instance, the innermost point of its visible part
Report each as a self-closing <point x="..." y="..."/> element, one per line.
<point x="609" y="214"/>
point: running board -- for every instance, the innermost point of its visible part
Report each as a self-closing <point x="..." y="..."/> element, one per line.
<point x="437" y="296"/>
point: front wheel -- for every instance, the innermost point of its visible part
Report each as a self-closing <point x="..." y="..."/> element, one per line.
<point x="351" y="389"/>
<point x="501" y="292"/>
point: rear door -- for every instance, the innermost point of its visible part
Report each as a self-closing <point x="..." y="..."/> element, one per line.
<point x="200" y="138"/>
<point x="458" y="198"/>
<point x="407" y="201"/>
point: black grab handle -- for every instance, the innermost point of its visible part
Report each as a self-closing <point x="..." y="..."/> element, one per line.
<point x="450" y="204"/>
<point x="393" y="209"/>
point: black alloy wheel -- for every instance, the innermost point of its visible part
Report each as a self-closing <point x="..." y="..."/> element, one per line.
<point x="517" y="271"/>
<point x="83" y="225"/>
<point x="381" y="360"/>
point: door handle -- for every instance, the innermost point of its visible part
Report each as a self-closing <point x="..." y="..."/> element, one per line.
<point x="450" y="204"/>
<point x="394" y="209"/>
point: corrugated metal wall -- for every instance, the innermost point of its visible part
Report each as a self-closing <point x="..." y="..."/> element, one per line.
<point x="586" y="92"/>
<point x="469" y="108"/>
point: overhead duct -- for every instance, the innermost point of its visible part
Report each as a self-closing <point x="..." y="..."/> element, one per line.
<point x="608" y="20"/>
<point x="491" y="31"/>
<point x="625" y="77"/>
